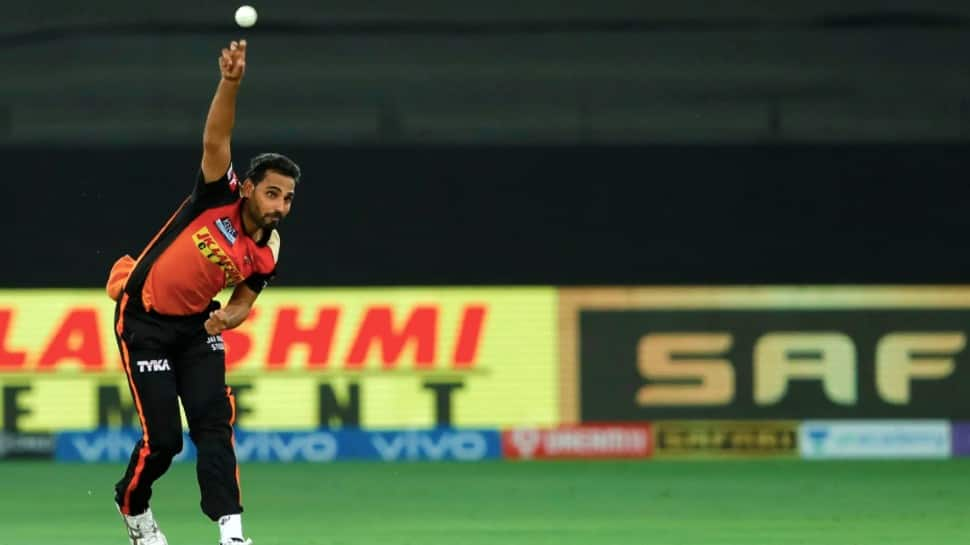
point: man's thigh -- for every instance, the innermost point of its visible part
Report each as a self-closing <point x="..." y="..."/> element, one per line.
<point x="201" y="380"/>
<point x="151" y="378"/>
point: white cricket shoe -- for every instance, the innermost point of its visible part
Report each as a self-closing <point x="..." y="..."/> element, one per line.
<point x="237" y="541"/>
<point x="143" y="529"/>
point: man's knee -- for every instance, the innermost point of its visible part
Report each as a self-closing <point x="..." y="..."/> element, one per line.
<point x="212" y="421"/>
<point x="166" y="445"/>
<point x="211" y="434"/>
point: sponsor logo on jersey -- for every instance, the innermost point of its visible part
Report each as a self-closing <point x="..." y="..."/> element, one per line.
<point x="151" y="366"/>
<point x="211" y="250"/>
<point x="226" y="228"/>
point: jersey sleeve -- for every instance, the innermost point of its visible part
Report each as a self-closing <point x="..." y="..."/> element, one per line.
<point x="258" y="281"/>
<point x="266" y="270"/>
<point x="222" y="191"/>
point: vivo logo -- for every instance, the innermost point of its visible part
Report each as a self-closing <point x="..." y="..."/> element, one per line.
<point x="111" y="446"/>
<point x="287" y="447"/>
<point x="458" y="445"/>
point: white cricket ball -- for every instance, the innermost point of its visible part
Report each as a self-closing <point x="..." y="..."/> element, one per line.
<point x="246" y="16"/>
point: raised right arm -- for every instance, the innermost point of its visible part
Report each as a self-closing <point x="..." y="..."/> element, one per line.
<point x="216" y="151"/>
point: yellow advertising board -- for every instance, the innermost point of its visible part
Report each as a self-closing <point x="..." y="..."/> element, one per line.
<point x="381" y="357"/>
<point x="725" y="438"/>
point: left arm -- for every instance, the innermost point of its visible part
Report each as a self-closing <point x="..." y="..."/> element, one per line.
<point x="235" y="311"/>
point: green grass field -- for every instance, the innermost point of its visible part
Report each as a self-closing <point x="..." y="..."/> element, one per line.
<point x="595" y="503"/>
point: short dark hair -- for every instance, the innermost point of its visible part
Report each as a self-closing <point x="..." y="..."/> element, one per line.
<point x="263" y="162"/>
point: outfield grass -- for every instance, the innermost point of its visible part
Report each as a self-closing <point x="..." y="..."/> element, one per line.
<point x="601" y="503"/>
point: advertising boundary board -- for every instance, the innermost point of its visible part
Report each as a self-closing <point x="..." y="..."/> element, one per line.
<point x="708" y="439"/>
<point x="579" y="442"/>
<point x="305" y="358"/>
<point x="904" y="385"/>
<point x="320" y="446"/>
<point x="874" y="439"/>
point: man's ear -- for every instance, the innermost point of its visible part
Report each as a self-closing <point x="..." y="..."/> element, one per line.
<point x="247" y="188"/>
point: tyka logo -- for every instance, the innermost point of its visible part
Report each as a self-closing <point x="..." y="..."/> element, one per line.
<point x="152" y="366"/>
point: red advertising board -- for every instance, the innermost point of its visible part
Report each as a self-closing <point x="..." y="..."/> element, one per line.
<point x="578" y="442"/>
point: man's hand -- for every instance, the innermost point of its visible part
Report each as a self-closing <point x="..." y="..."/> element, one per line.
<point x="217" y="323"/>
<point x="234" y="313"/>
<point x="232" y="63"/>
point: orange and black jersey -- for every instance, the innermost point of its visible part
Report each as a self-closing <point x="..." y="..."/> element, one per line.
<point x="202" y="250"/>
